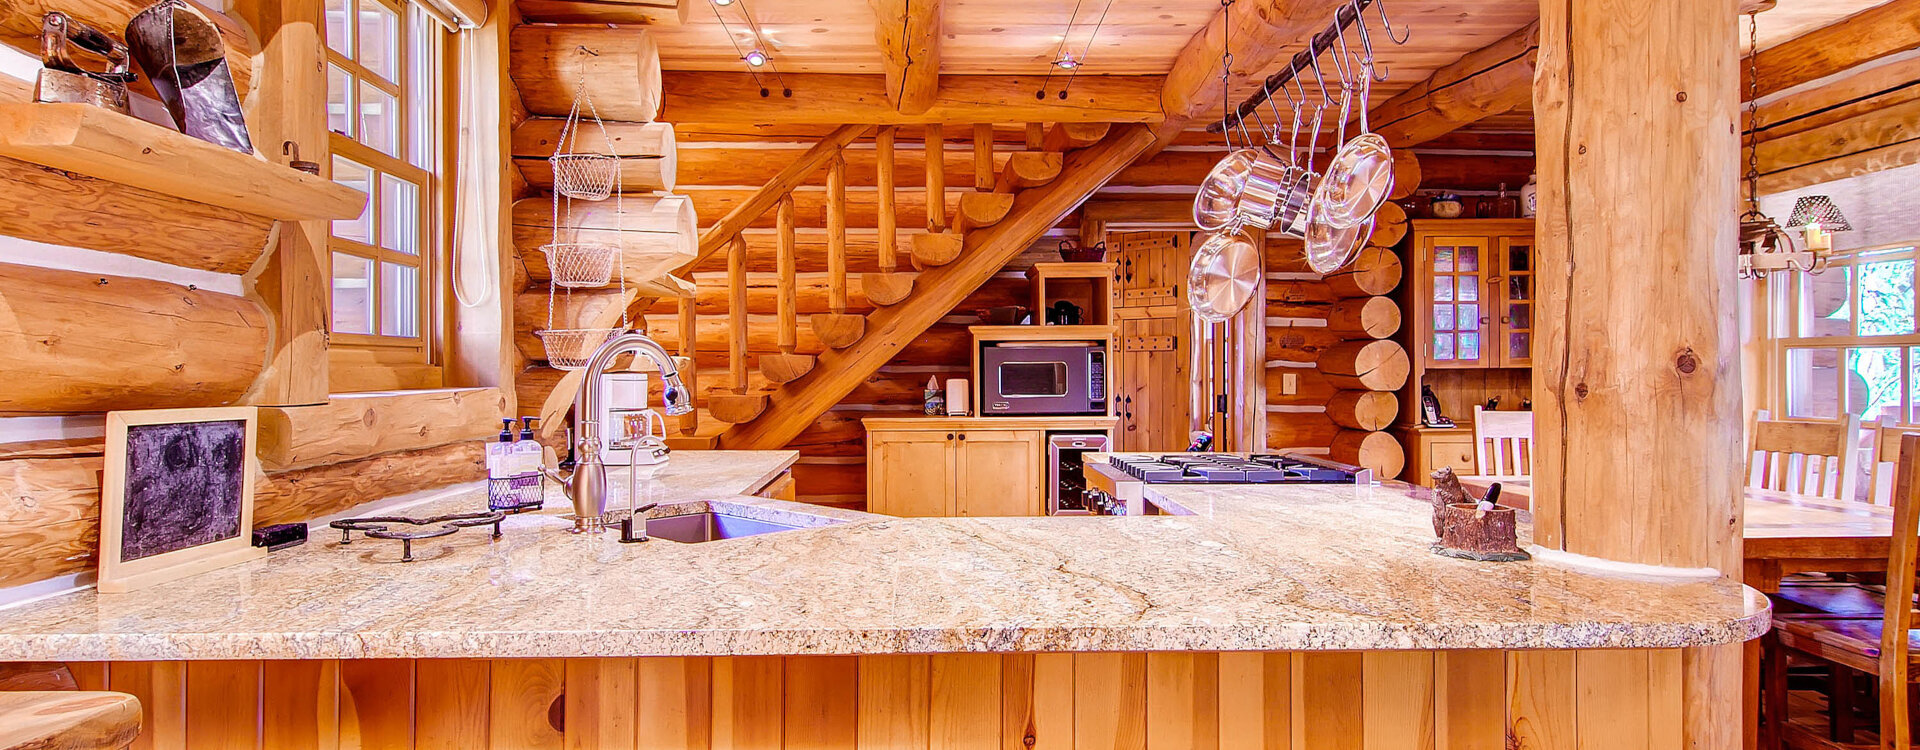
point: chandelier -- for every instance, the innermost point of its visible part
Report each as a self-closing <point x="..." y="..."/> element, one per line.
<point x="1765" y="246"/>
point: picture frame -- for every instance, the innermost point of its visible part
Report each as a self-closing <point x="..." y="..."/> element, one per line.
<point x="176" y="494"/>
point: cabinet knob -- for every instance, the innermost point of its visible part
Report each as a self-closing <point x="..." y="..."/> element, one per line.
<point x="949" y="436"/>
<point x="1483" y="321"/>
<point x="963" y="436"/>
<point x="1506" y="319"/>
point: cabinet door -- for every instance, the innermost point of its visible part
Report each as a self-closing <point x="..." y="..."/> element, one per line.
<point x="998" y="473"/>
<point x="1513" y="282"/>
<point x="910" y="472"/>
<point x="1454" y="272"/>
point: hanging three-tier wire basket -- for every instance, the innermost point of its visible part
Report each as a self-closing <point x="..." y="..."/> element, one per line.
<point x="577" y="258"/>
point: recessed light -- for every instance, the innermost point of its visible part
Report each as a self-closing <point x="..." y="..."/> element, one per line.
<point x="723" y="2"/>
<point x="1066" y="62"/>
<point x="755" y="58"/>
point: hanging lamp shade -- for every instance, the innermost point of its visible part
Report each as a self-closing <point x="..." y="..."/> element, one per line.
<point x="1818" y="209"/>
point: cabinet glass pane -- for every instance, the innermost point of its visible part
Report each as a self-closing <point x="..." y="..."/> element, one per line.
<point x="1443" y="317"/>
<point x="1469" y="289"/>
<point x="352" y="294"/>
<point x="1811" y="383"/>
<point x="1443" y="259"/>
<point x="1519" y="258"/>
<point x="1469" y="317"/>
<point x="1443" y="346"/>
<point x="1443" y="289"/>
<point x="1520" y="287"/>
<point x="1469" y="259"/>
<point x="1886" y="298"/>
<point x="1519" y="345"/>
<point x="1469" y="346"/>
<point x="1520" y="316"/>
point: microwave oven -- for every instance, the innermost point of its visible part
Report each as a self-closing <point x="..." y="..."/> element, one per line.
<point x="1051" y="379"/>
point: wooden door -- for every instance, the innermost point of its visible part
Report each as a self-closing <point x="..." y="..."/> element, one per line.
<point x="1456" y="305"/>
<point x="910" y="472"/>
<point x="1513" y="285"/>
<point x="997" y="473"/>
<point x="1151" y="390"/>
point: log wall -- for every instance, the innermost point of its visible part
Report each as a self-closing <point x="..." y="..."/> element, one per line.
<point x="1550" y="700"/>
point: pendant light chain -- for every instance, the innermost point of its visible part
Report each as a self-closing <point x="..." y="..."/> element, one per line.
<point x="1753" y="111"/>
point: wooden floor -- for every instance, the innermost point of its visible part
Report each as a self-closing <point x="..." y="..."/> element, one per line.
<point x="1620" y="699"/>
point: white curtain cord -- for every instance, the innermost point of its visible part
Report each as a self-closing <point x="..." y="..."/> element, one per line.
<point x="476" y="253"/>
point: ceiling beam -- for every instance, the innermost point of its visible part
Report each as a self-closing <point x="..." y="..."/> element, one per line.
<point x="1862" y="37"/>
<point x="1485" y="82"/>
<point x="1256" y="32"/>
<point x="908" y="32"/>
<point x="836" y="98"/>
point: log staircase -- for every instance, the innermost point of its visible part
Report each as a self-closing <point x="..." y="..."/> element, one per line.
<point x="809" y="368"/>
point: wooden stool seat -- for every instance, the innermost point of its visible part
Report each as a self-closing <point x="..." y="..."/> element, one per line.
<point x="1848" y="641"/>
<point x="68" y="720"/>
<point x="1829" y="598"/>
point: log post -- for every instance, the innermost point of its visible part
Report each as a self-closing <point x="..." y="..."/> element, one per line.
<point x="690" y="370"/>
<point x="936" y="179"/>
<point x="983" y="174"/>
<point x="1638" y="424"/>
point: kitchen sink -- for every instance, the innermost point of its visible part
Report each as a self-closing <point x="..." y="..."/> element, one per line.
<point x="694" y="528"/>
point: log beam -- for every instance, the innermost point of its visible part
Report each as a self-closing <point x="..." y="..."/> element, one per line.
<point x="1862" y="37"/>
<point x="1488" y="81"/>
<point x="908" y="34"/>
<point x="354" y="426"/>
<point x="1258" y="30"/>
<point x="832" y="98"/>
<point x="620" y="66"/>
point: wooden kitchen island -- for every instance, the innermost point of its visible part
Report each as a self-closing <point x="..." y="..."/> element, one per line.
<point x="1295" y="616"/>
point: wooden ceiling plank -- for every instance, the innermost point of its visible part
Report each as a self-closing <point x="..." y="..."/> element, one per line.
<point x="908" y="34"/>
<point x="834" y="99"/>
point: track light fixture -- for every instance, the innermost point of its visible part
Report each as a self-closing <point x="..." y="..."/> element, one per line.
<point x="755" y="58"/>
<point x="1066" y="61"/>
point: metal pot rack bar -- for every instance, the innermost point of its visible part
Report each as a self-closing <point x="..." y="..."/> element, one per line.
<point x="1321" y="43"/>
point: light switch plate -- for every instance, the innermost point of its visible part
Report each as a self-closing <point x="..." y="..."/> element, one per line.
<point x="1289" y="383"/>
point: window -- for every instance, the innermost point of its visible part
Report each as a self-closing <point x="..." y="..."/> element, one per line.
<point x="1845" y="341"/>
<point x="386" y="107"/>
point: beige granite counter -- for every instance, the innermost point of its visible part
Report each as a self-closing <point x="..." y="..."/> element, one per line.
<point x="1261" y="568"/>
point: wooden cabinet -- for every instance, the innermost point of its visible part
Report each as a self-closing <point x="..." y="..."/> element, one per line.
<point x="1472" y="292"/>
<point x="1431" y="448"/>
<point x="975" y="466"/>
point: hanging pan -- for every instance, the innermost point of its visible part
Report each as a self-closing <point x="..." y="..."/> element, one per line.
<point x="1226" y="269"/>
<point x="1360" y="176"/>
<point x="1219" y="196"/>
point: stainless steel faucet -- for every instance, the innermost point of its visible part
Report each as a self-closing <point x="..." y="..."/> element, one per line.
<point x="587" y="485"/>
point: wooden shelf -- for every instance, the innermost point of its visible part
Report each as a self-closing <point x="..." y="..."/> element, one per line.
<point x="130" y="151"/>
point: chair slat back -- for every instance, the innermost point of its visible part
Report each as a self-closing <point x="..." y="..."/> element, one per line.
<point x="1503" y="442"/>
<point x="1898" y="617"/>
<point x="1883" y="462"/>
<point x="1808" y="458"/>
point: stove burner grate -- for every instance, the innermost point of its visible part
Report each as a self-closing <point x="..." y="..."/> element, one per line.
<point x="376" y="527"/>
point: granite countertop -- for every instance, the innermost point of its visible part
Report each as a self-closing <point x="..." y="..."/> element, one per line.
<point x="1258" y="568"/>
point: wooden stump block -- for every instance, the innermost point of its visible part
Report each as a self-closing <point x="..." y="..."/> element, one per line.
<point x="1372" y="450"/>
<point x="785" y="368"/>
<point x="1406" y="175"/>
<point x="838" y="330"/>
<point x="1365" y="317"/>
<point x="1370" y="411"/>
<point x="1380" y="365"/>
<point x="1374" y="271"/>
<point x="736" y="408"/>
<point x="1028" y="169"/>
<point x="981" y="210"/>
<point x="936" y="249"/>
<point x="1066" y="136"/>
<point x="886" y="288"/>
<point x="1389" y="226"/>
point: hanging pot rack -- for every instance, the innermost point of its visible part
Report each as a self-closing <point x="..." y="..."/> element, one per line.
<point x="1344" y="18"/>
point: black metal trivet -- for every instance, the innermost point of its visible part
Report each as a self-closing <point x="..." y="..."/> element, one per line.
<point x="375" y="527"/>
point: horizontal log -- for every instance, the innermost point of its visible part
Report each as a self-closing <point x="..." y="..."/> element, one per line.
<point x="726" y="165"/>
<point x="615" y="12"/>
<point x="1365" y="317"/>
<point x="50" y="522"/>
<point x="296" y="496"/>
<point x="1892" y="156"/>
<point x="656" y="233"/>
<point x="581" y="308"/>
<point x="1488" y="81"/>
<point x="1310" y="388"/>
<point x="1288" y="430"/>
<point x="862" y="252"/>
<point x="619" y="67"/>
<point x="839" y="98"/>
<point x="810" y="206"/>
<point x="1374" y="271"/>
<point x="811" y="295"/>
<point x="1450" y="171"/>
<point x="1380" y="365"/>
<point x="361" y="425"/>
<point x="649" y="157"/>
<point x="1373" y="450"/>
<point x="1299" y="343"/>
<point x="1868" y="35"/>
<point x="77" y="342"/>
<point x="63" y="208"/>
<point x="1363" y="410"/>
<point x="1844" y="97"/>
<point x="1890" y="126"/>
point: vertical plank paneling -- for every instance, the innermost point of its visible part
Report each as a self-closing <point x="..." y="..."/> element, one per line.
<point x="1036" y="701"/>
<point x="965" y="702"/>
<point x="453" y="711"/>
<point x="1610" y="701"/>
<point x="300" y="704"/>
<point x="894" y="702"/>
<point x="1465" y="689"/>
<point x="746" y="702"/>
<point x="223" y="704"/>
<point x="88" y="675"/>
<point x="676" y="703"/>
<point x="1256" y="701"/>
<point x="1109" y="701"/>
<point x="521" y="705"/>
<point x="600" y="696"/>
<point x="822" y="702"/>
<point x="1327" y="701"/>
<point x="161" y="687"/>
<point x="1398" y="700"/>
<point x="1666" y="702"/>
<point x="1183" y="701"/>
<point x="1540" y="699"/>
<point x="376" y="703"/>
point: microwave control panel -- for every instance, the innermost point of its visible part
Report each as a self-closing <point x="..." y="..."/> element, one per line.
<point x="1097" y="376"/>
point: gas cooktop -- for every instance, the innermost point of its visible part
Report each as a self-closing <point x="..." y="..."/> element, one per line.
<point x="1222" y="468"/>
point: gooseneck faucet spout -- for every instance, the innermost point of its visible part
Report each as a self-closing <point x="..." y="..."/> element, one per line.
<point x="587" y="486"/>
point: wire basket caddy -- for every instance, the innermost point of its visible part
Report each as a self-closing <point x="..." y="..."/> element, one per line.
<point x="577" y="265"/>
<point x="577" y="174"/>
<point x="572" y="348"/>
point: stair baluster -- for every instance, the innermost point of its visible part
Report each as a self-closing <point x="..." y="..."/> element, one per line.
<point x="736" y="407"/>
<point x="690" y="369"/>
<point x="888" y="286"/>
<point x="983" y="175"/>
<point x="787" y="366"/>
<point x="936" y="153"/>
<point x="837" y="329"/>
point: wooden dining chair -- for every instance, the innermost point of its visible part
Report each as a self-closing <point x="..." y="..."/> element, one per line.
<point x="1807" y="458"/>
<point x="1881" y="646"/>
<point x="1503" y="443"/>
<point x="1883" y="459"/>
